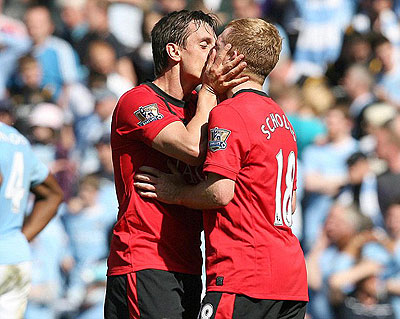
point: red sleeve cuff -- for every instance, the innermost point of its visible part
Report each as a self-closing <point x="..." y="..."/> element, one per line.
<point x="220" y="170"/>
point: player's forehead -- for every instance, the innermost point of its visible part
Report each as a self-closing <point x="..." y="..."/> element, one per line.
<point x="200" y="30"/>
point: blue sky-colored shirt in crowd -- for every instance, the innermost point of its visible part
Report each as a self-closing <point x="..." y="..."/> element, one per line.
<point x="59" y="62"/>
<point x="20" y="170"/>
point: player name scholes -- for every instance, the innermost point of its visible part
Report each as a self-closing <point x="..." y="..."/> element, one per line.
<point x="275" y="121"/>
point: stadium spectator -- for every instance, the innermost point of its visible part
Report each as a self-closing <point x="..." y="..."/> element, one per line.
<point x="336" y="249"/>
<point x="87" y="221"/>
<point x="167" y="6"/>
<point x="59" y="63"/>
<point x="325" y="170"/>
<point x="49" y="249"/>
<point x="29" y="88"/>
<point x="381" y="19"/>
<point x="14" y="42"/>
<point x="28" y="91"/>
<point x="358" y="83"/>
<point x="308" y="127"/>
<point x="105" y="173"/>
<point x="375" y="117"/>
<point x="75" y="24"/>
<point x="357" y="49"/>
<point x="367" y="301"/>
<point x="156" y="245"/>
<point x="390" y="283"/>
<point x="246" y="9"/>
<point x="362" y="189"/>
<point x="320" y="39"/>
<point x="103" y="69"/>
<point x="98" y="123"/>
<point x="242" y="193"/>
<point x="52" y="142"/>
<point x="45" y="131"/>
<point x="21" y="172"/>
<point x="388" y="149"/>
<point x="97" y="18"/>
<point x="378" y="260"/>
<point x="388" y="79"/>
<point x="142" y="57"/>
<point x="127" y="15"/>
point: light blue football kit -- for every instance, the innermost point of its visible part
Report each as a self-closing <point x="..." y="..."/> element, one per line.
<point x="20" y="170"/>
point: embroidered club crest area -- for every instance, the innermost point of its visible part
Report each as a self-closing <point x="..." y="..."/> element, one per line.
<point x="218" y="137"/>
<point x="147" y="114"/>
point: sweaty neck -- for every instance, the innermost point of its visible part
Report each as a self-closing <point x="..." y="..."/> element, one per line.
<point x="250" y="84"/>
<point x="172" y="82"/>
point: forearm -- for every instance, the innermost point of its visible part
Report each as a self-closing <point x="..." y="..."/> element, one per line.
<point x="393" y="286"/>
<point x="314" y="275"/>
<point x="321" y="184"/>
<point x="188" y="143"/>
<point x="205" y="195"/>
<point x="48" y="197"/>
<point x="197" y="127"/>
<point x="353" y="275"/>
<point x="216" y="191"/>
<point x="43" y="211"/>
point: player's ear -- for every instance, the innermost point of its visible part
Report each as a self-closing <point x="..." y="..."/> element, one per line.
<point x="173" y="51"/>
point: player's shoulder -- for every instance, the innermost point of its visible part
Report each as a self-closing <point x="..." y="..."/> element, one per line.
<point x="224" y="106"/>
<point x="137" y="94"/>
<point x="135" y="98"/>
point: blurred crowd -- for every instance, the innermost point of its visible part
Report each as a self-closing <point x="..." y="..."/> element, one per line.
<point x="65" y="63"/>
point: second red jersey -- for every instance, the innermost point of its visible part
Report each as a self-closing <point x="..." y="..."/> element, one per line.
<point x="250" y="247"/>
<point x="150" y="234"/>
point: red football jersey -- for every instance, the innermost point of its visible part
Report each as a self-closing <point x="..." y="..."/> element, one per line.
<point x="150" y="234"/>
<point x="250" y="247"/>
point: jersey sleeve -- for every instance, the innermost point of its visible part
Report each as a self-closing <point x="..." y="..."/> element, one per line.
<point x="39" y="170"/>
<point x="141" y="118"/>
<point x="228" y="142"/>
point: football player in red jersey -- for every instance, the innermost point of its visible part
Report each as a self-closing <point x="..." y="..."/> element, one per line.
<point x="154" y="265"/>
<point x="255" y="265"/>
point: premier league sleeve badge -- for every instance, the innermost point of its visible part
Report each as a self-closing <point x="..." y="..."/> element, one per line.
<point x="218" y="139"/>
<point x="147" y="114"/>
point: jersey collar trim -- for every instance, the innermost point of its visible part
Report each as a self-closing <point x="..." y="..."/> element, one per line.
<point x="251" y="90"/>
<point x="164" y="95"/>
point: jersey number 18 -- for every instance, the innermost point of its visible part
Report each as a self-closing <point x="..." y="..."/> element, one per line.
<point x="283" y="209"/>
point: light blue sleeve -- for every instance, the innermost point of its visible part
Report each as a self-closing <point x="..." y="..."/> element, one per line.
<point x="310" y="160"/>
<point x="376" y="252"/>
<point x="344" y="262"/>
<point x="39" y="170"/>
<point x="68" y="63"/>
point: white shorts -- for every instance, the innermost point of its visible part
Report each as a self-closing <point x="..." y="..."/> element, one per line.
<point x="15" y="284"/>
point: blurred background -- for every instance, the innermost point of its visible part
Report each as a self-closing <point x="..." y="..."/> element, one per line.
<point x="65" y="63"/>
